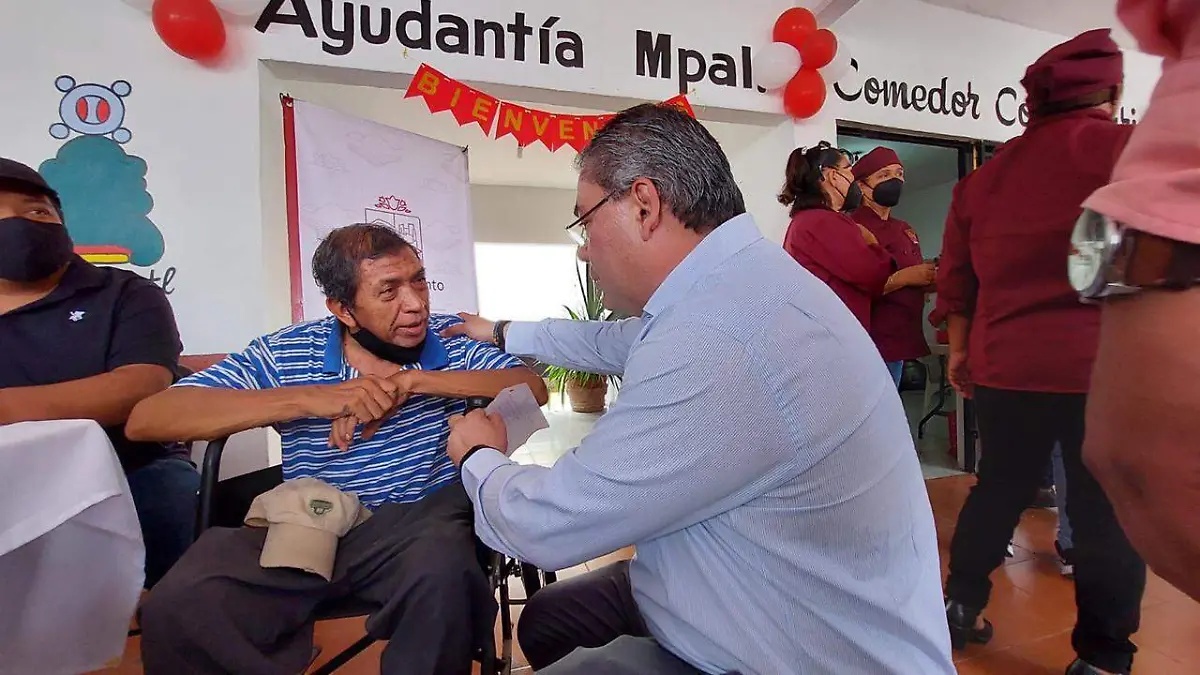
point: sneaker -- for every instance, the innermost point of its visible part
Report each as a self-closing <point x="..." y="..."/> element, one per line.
<point x="1066" y="565"/>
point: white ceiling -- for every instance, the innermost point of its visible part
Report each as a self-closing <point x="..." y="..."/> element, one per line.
<point x="1065" y="17"/>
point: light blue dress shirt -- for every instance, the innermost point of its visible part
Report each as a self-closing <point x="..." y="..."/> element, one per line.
<point x="759" y="458"/>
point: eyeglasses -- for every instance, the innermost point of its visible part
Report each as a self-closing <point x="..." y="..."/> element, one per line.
<point x="577" y="230"/>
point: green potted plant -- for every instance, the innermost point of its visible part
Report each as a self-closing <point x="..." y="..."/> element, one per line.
<point x="588" y="392"/>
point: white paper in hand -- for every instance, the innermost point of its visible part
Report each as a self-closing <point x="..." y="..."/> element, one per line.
<point x="521" y="414"/>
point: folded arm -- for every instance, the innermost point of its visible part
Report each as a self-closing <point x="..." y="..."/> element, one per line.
<point x="661" y="460"/>
<point x="841" y="249"/>
<point x="241" y="392"/>
<point x="203" y="413"/>
<point x="466" y="383"/>
<point x="143" y="349"/>
<point x="590" y="346"/>
<point x="107" y="398"/>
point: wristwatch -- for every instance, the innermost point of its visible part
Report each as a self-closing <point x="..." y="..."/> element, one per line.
<point x="498" y="333"/>
<point x="1109" y="259"/>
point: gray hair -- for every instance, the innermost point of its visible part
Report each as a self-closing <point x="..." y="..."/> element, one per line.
<point x="677" y="154"/>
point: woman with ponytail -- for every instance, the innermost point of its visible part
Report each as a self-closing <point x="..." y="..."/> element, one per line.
<point x="820" y="189"/>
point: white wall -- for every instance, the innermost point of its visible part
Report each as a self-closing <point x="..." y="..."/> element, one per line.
<point x="917" y="43"/>
<point x="206" y="133"/>
<point x="524" y="261"/>
<point x="525" y="197"/>
<point x="195" y="129"/>
<point x="522" y="215"/>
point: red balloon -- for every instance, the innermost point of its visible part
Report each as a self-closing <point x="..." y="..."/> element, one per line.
<point x="805" y="94"/>
<point x="794" y="26"/>
<point x="819" y="49"/>
<point x="193" y="29"/>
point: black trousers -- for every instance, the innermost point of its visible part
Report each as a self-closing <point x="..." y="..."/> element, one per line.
<point x="589" y="611"/>
<point x="218" y="611"/>
<point x="1018" y="431"/>
<point x="590" y="625"/>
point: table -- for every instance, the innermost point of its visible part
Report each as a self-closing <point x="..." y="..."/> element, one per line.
<point x="71" y="552"/>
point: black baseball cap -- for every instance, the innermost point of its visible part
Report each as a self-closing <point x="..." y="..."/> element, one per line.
<point x="17" y="175"/>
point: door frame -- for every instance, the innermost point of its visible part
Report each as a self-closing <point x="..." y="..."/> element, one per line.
<point x="971" y="154"/>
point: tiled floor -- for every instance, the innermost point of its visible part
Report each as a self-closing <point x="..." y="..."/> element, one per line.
<point x="1032" y="607"/>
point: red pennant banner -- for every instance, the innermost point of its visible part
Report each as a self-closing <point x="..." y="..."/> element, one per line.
<point x="476" y="107"/>
<point x="545" y="129"/>
<point x="517" y="121"/>
<point x="440" y="92"/>
<point x="681" y="102"/>
<point x="528" y="126"/>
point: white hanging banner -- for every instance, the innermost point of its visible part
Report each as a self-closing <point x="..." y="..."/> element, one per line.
<point x="343" y="170"/>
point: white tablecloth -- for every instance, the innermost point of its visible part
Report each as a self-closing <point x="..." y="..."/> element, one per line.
<point x="71" y="552"/>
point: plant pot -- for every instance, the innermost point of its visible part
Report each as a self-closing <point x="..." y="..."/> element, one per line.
<point x="588" y="398"/>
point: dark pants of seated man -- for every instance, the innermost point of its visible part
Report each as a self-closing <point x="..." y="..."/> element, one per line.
<point x="164" y="494"/>
<point x="590" y="625"/>
<point x="219" y="611"/>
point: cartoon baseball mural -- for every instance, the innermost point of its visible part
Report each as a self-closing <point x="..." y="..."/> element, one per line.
<point x="106" y="205"/>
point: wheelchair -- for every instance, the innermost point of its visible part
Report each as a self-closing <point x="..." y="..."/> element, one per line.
<point x="225" y="503"/>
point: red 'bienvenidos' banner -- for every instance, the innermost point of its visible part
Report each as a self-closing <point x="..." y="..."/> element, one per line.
<point x="526" y="125"/>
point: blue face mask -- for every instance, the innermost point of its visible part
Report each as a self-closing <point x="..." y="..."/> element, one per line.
<point x="32" y="250"/>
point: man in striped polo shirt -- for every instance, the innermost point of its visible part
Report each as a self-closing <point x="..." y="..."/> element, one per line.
<point x="362" y="401"/>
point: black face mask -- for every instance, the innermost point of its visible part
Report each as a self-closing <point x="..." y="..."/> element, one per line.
<point x="386" y="350"/>
<point x="854" y="198"/>
<point x="31" y="251"/>
<point x="887" y="193"/>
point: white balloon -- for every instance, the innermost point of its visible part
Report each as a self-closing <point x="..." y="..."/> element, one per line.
<point x="140" y="5"/>
<point x="776" y="64"/>
<point x="244" y="9"/>
<point x="839" y="66"/>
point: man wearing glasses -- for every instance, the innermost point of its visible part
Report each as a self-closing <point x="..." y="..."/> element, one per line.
<point x="758" y="456"/>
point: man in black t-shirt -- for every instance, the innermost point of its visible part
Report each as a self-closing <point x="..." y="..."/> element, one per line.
<point x="84" y="342"/>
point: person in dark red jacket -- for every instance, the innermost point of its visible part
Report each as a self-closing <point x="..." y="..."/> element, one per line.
<point x="896" y="315"/>
<point x="1023" y="345"/>
<point x="845" y="255"/>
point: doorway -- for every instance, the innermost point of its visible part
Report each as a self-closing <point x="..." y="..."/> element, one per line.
<point x="940" y="421"/>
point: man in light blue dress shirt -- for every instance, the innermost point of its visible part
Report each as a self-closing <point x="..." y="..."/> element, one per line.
<point x="758" y="456"/>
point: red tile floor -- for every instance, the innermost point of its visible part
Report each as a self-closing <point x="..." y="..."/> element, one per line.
<point x="1032" y="607"/>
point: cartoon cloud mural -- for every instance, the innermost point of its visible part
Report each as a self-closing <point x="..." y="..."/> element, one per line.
<point x="105" y="202"/>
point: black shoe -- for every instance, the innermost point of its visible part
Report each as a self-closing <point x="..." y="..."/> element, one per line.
<point x="1080" y="667"/>
<point x="1044" y="499"/>
<point x="962" y="626"/>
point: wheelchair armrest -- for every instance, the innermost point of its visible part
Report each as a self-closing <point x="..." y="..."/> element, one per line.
<point x="210" y="473"/>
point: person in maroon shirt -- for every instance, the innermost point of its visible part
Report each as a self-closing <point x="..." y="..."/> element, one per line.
<point x="819" y="188"/>
<point x="896" y="316"/>
<point x="1023" y="345"/>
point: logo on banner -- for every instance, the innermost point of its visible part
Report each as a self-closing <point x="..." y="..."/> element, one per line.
<point x="393" y="212"/>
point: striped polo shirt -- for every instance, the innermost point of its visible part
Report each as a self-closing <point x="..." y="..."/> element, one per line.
<point x="406" y="460"/>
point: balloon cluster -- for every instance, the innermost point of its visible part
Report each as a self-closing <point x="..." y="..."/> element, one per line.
<point x="801" y="61"/>
<point x="195" y="29"/>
